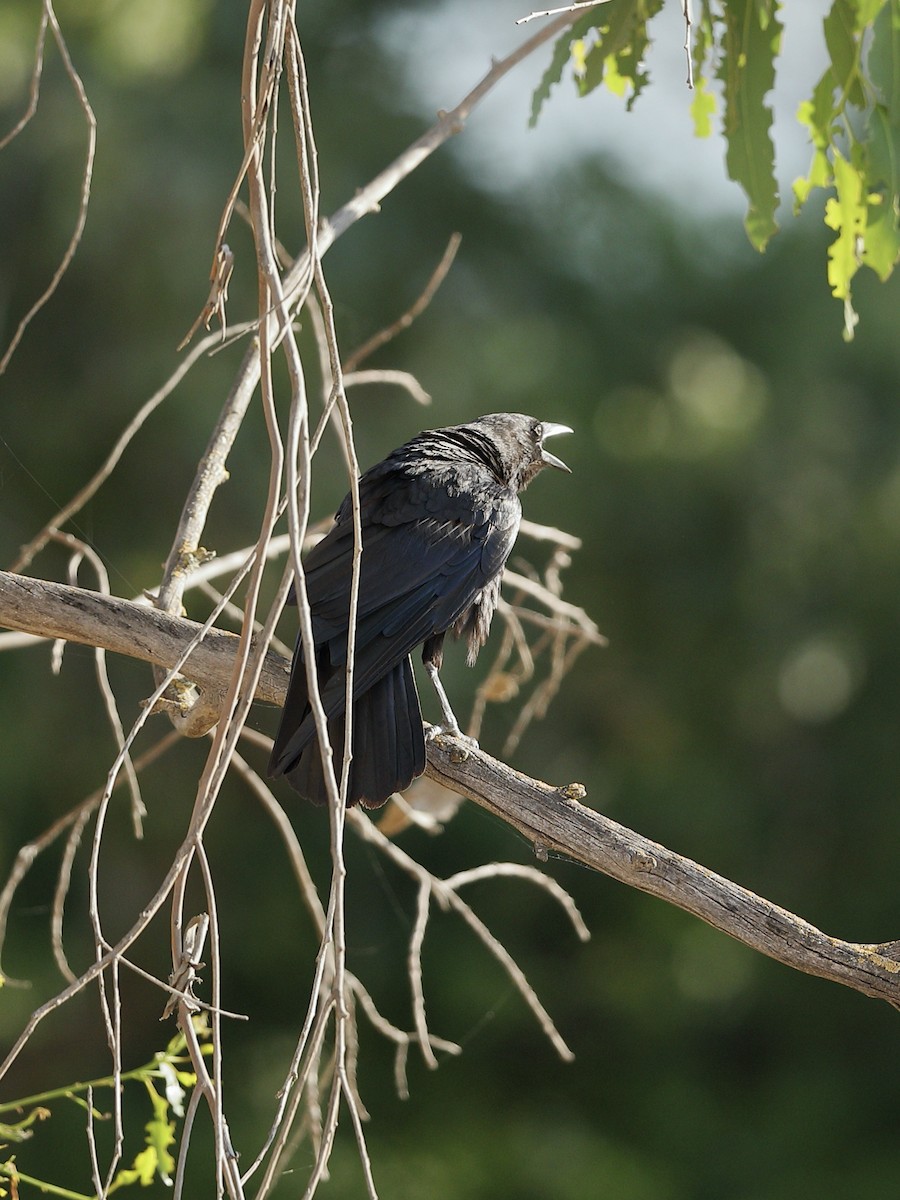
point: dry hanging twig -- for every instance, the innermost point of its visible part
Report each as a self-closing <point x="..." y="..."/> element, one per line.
<point x="48" y="17"/>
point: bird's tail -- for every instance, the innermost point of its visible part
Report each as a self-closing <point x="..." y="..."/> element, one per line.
<point x="388" y="742"/>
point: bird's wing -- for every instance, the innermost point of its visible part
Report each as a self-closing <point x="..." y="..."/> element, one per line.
<point x="427" y="554"/>
<point x="416" y="537"/>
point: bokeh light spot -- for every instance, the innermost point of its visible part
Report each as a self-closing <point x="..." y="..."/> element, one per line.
<point x="817" y="680"/>
<point x="716" y="388"/>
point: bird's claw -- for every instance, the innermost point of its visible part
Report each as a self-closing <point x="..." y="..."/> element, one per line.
<point x="450" y="731"/>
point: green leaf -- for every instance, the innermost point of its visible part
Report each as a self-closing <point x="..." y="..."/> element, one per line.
<point x="883" y="150"/>
<point x="618" y="54"/>
<point x="553" y="74"/>
<point x="614" y="33"/>
<point x="143" y="1171"/>
<point x="160" y="1134"/>
<point x="842" y="29"/>
<point x="882" y="238"/>
<point x="883" y="124"/>
<point x="703" y="39"/>
<point x="154" y="1160"/>
<point x="608" y="49"/>
<point x="703" y="104"/>
<point x="818" y="116"/>
<point x="819" y="176"/>
<point x="883" y="59"/>
<point x="751" y="42"/>
<point x="631" y="60"/>
<point x="846" y="213"/>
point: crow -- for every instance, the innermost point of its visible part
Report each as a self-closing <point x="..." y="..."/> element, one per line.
<point x="439" y="519"/>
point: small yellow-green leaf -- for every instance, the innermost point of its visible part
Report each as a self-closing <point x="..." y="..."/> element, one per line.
<point x="617" y="84"/>
<point x="703" y="106"/>
<point x="146" y="1165"/>
<point x="845" y="213"/>
<point x="579" y="52"/>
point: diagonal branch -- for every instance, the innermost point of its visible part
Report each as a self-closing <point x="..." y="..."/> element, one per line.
<point x="552" y="819"/>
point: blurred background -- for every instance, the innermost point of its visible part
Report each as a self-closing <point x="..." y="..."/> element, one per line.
<point x="736" y="484"/>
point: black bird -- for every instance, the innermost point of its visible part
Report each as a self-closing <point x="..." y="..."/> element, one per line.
<point x="439" y="519"/>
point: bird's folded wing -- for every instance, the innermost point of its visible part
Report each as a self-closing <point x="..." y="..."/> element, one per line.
<point x="407" y="618"/>
<point x="411" y="533"/>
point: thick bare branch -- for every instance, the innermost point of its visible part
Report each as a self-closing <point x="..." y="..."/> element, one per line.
<point x="552" y="819"/>
<point x="52" y="610"/>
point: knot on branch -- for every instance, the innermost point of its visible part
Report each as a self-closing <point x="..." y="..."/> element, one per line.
<point x="193" y="711"/>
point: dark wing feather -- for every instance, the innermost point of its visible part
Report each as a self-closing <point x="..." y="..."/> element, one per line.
<point x="431" y="544"/>
<point x="388" y="744"/>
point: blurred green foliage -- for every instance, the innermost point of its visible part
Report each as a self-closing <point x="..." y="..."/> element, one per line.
<point x="737" y="487"/>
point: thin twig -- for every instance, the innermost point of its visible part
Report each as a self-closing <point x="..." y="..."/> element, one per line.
<point x="688" y="24"/>
<point x="83" y="550"/>
<point x="567" y="8"/>
<point x="87" y="175"/>
<point x="351" y="363"/>
<point x="72" y="820"/>
<point x="124" y="439"/>
<point x="398" y="378"/>
<point x="445" y="891"/>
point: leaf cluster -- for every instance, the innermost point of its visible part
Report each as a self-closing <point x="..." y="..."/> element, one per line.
<point x="853" y="116"/>
<point x="164" y="1079"/>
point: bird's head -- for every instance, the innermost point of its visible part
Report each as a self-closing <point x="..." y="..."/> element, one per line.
<point x="519" y="441"/>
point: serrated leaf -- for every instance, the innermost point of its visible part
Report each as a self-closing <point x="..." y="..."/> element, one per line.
<point x="842" y="31"/>
<point x="883" y="58"/>
<point x="160" y="1134"/>
<point x="619" y="49"/>
<point x="630" y="66"/>
<point x="883" y="150"/>
<point x="614" y="31"/>
<point x="845" y="213"/>
<point x="703" y="40"/>
<point x="145" y="1166"/>
<point x="751" y="43"/>
<point x="703" y="106"/>
<point x="631" y="60"/>
<point x="819" y="176"/>
<point x="883" y="123"/>
<point x="553" y="74"/>
<point x="142" y="1171"/>
<point x="817" y="113"/>
<point x="882" y="238"/>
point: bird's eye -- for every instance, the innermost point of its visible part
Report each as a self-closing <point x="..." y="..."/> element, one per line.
<point x="538" y="431"/>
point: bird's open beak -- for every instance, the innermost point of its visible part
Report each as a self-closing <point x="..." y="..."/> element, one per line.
<point x="551" y="430"/>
